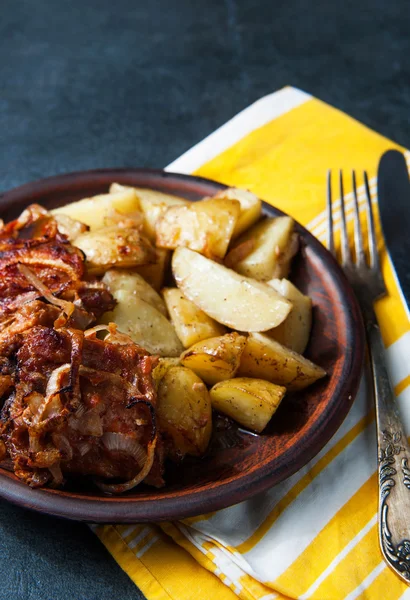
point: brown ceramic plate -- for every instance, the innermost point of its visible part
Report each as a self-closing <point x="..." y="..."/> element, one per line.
<point x="238" y="464"/>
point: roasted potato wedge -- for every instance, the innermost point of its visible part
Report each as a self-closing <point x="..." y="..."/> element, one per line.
<point x="129" y="281"/>
<point x="215" y="359"/>
<point x="144" y="324"/>
<point x="270" y="256"/>
<point x="153" y="205"/>
<point x="251" y="208"/>
<point x="265" y="358"/>
<point x="294" y="331"/>
<point x="154" y="273"/>
<point x="93" y="211"/>
<point x="204" y="226"/>
<point x="70" y="227"/>
<point x="184" y="412"/>
<point x="114" y="247"/>
<point x="191" y="323"/>
<point x="250" y="402"/>
<point x="164" y="363"/>
<point x="231" y="299"/>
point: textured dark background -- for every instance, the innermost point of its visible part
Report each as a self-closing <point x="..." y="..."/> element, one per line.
<point x="87" y="84"/>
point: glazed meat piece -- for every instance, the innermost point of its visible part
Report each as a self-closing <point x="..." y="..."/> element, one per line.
<point x="82" y="406"/>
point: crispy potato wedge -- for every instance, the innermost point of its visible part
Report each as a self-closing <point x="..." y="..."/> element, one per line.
<point x="153" y="205"/>
<point x="129" y="281"/>
<point x="191" y="323"/>
<point x="145" y="325"/>
<point x="184" y="412"/>
<point x="154" y="273"/>
<point x="70" y="227"/>
<point x="114" y="247"/>
<point x="251" y="208"/>
<point x="294" y="331"/>
<point x="265" y="358"/>
<point x="270" y="256"/>
<point x="215" y="359"/>
<point x="93" y="211"/>
<point x="205" y="226"/>
<point x="231" y="299"/>
<point x="250" y="402"/>
<point x="164" y="363"/>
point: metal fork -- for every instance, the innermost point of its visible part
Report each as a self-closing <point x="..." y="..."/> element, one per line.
<point x="393" y="449"/>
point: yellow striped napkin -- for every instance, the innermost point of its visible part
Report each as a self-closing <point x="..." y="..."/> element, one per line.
<point x="315" y="534"/>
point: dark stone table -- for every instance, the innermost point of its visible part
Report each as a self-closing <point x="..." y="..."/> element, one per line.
<point x="89" y="84"/>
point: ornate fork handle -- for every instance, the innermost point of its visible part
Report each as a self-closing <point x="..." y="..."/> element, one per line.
<point x="393" y="460"/>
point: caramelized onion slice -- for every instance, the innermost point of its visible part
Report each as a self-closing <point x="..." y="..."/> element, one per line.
<point x="120" y="488"/>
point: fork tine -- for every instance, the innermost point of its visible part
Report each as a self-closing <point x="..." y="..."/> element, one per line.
<point x="358" y="236"/>
<point x="330" y="238"/>
<point x="374" y="256"/>
<point x="346" y="255"/>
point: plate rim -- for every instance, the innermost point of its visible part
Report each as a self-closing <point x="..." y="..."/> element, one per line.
<point x="128" y="510"/>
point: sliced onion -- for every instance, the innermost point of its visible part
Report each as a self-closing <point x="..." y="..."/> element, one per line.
<point x="55" y="471"/>
<point x="51" y="405"/>
<point x="67" y="307"/>
<point x="91" y="332"/>
<point x="83" y="448"/>
<point x="120" y="488"/>
<point x="63" y="445"/>
<point x="119" y="442"/>
<point x="89" y="424"/>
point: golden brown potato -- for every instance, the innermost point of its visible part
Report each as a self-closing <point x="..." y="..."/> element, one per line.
<point x="145" y="325"/>
<point x="215" y="359"/>
<point x="265" y="358"/>
<point x="154" y="273"/>
<point x="250" y="402"/>
<point x="271" y="254"/>
<point x="184" y="412"/>
<point x="70" y="227"/>
<point x="129" y="281"/>
<point x="93" y="211"/>
<point x="114" y="247"/>
<point x="191" y="323"/>
<point x="164" y="363"/>
<point x="294" y="332"/>
<point x="153" y="205"/>
<point x="204" y="226"/>
<point x="251" y="208"/>
<point x="231" y="299"/>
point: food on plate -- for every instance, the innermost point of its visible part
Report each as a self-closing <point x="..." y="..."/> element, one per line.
<point x="184" y="412"/>
<point x="93" y="211"/>
<point x="153" y="205"/>
<point x="114" y="247"/>
<point x="236" y="301"/>
<point x="265" y="358"/>
<point x="121" y="280"/>
<point x="215" y="359"/>
<point x="206" y="226"/>
<point x="105" y="373"/>
<point x="191" y="323"/>
<point x="250" y="402"/>
<point x="250" y="205"/>
<point x="154" y="273"/>
<point x="274" y="245"/>
<point x="144" y="324"/>
<point x="294" y="331"/>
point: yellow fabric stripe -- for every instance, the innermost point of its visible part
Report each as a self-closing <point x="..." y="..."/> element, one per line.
<point x="400" y="387"/>
<point x="166" y="571"/>
<point x="386" y="585"/>
<point x="303" y="483"/>
<point x="352" y="570"/>
<point x="333" y="538"/>
<point x="285" y="163"/>
<point x="127" y="560"/>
